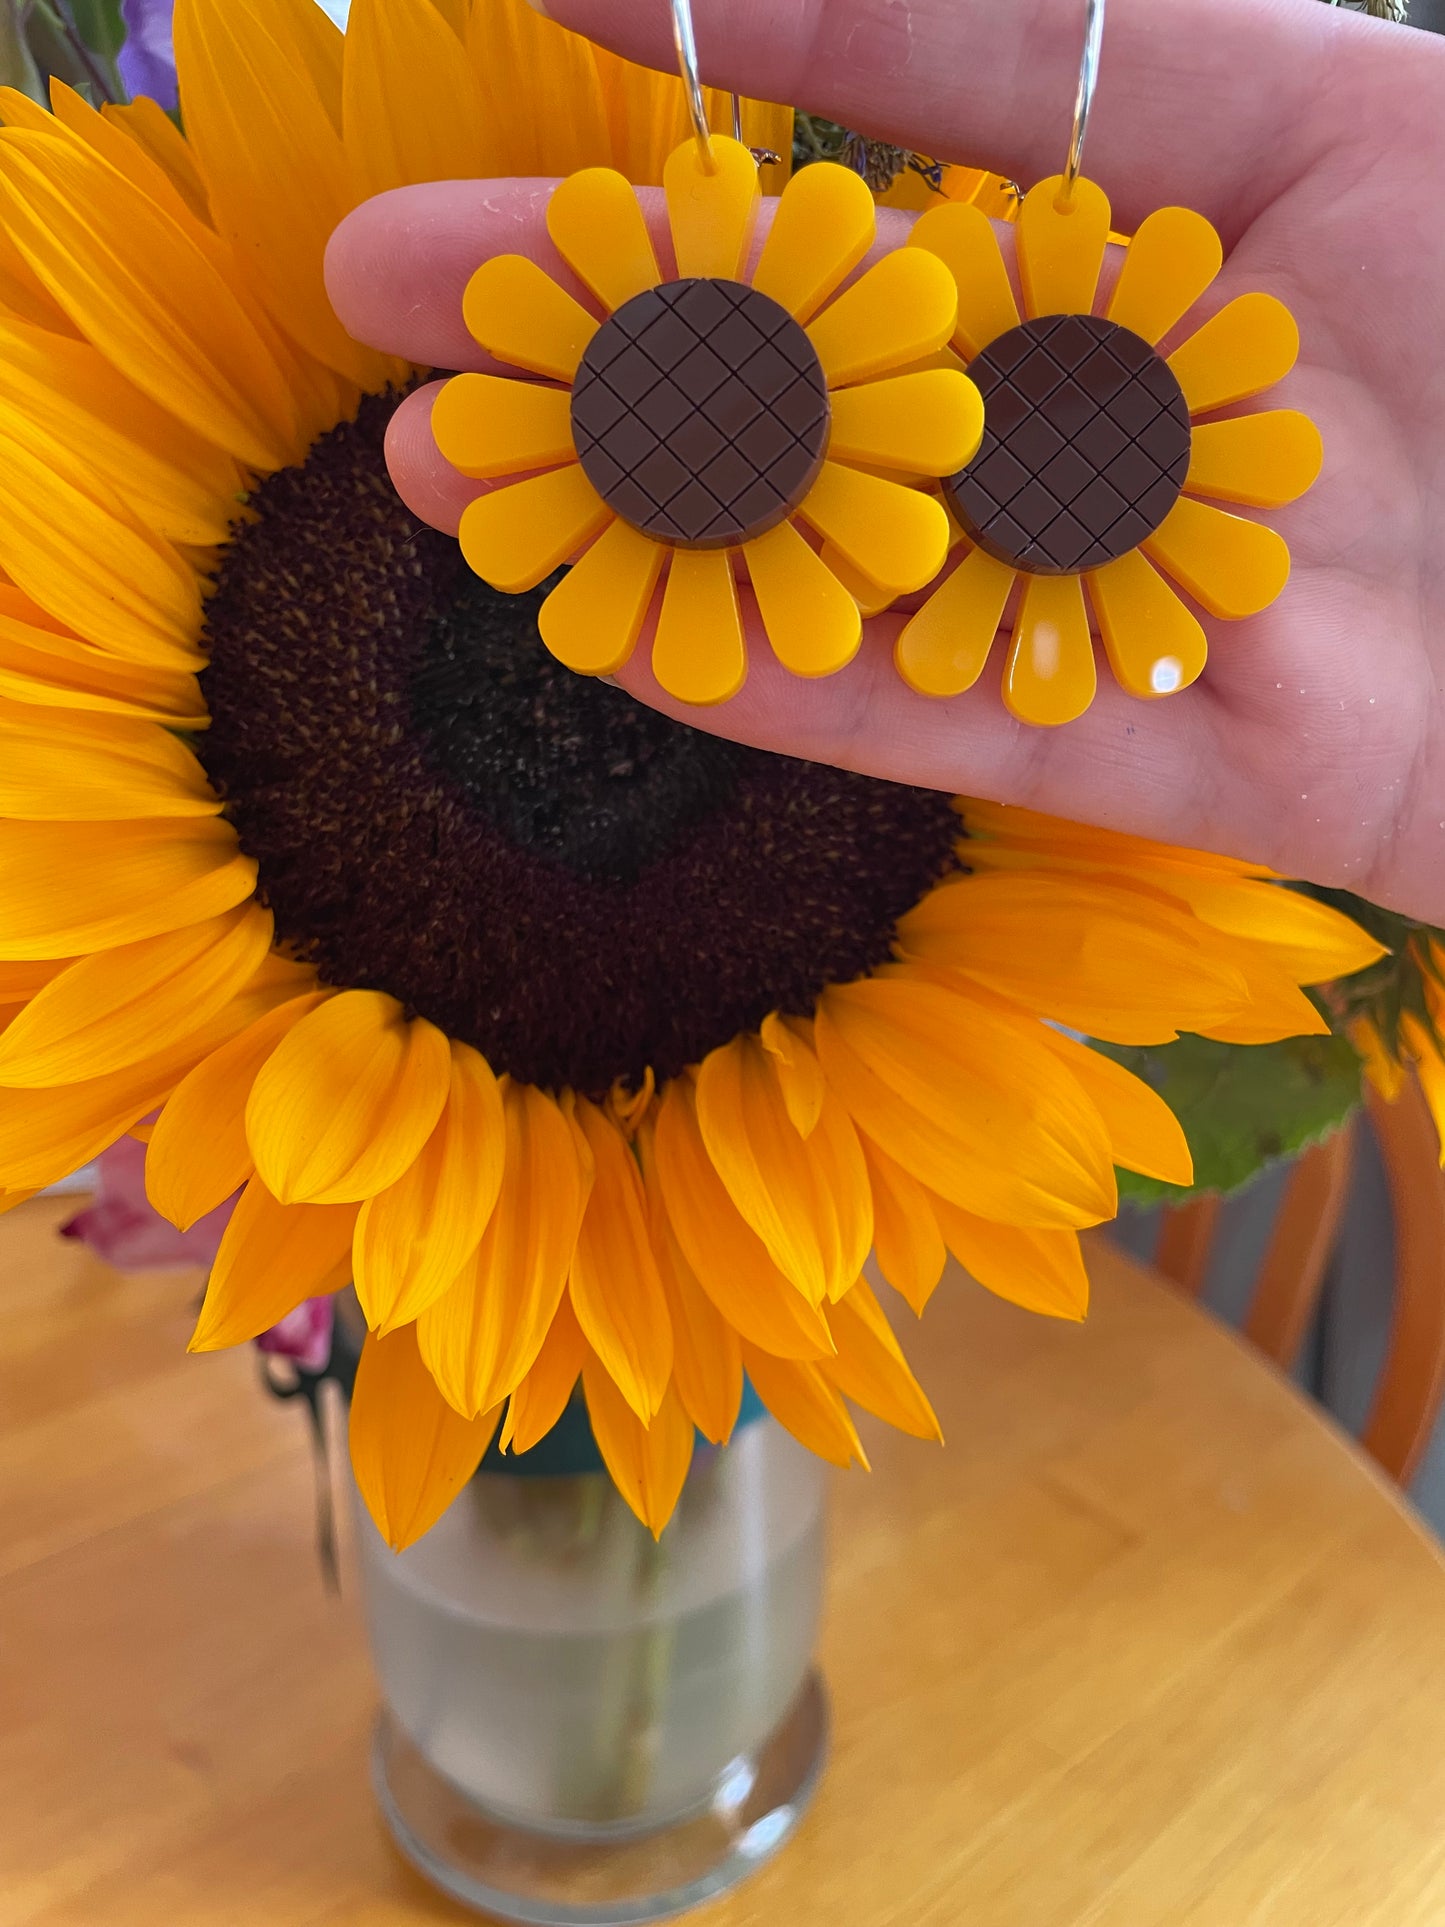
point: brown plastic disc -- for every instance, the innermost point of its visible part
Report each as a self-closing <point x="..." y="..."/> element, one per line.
<point x="1085" y="445"/>
<point x="700" y="413"/>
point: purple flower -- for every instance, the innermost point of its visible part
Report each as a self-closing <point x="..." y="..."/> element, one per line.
<point x="147" y="60"/>
<point x="304" y="1335"/>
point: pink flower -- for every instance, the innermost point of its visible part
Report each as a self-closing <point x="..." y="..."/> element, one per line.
<point x="121" y="1226"/>
<point x="304" y="1335"/>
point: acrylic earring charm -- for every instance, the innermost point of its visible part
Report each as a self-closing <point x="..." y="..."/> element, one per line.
<point x="1094" y="455"/>
<point x="708" y="417"/>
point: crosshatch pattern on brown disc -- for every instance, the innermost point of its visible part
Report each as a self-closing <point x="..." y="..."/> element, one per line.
<point x="1085" y="446"/>
<point x="700" y="413"/>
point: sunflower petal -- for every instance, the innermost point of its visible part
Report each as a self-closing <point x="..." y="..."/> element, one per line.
<point x="648" y="1463"/>
<point x="614" y="1286"/>
<point x="1049" y="676"/>
<point x="198" y="1154"/>
<point x="52" y="671"/>
<point x="414" y="1238"/>
<point x="60" y="767"/>
<point x="411" y="109"/>
<point x="906" y="1240"/>
<point x="545" y="1393"/>
<point x="942" y="650"/>
<point x="1312" y="941"/>
<point x="799" y="1074"/>
<point x="1244" y="349"/>
<point x="1172" y="260"/>
<point x="711" y="210"/>
<point x="811" y="620"/>
<point x="1154" y="643"/>
<point x="272" y="1257"/>
<point x="1232" y="566"/>
<point x="870" y="1367"/>
<point x="518" y="313"/>
<point x="148" y="124"/>
<point x="1263" y="460"/>
<point x="698" y="654"/>
<point x="1061" y="249"/>
<point x="410" y="1452"/>
<point x="895" y="536"/>
<point x="484" y="1334"/>
<point x="1144" y="1134"/>
<point x="902" y="309"/>
<point x="1041" y="1270"/>
<point x="597" y="226"/>
<point x="516" y="536"/>
<point x="345" y="1103"/>
<point x="962" y="237"/>
<point x="824" y="225"/>
<point x="803" y="1402"/>
<point x="592" y="619"/>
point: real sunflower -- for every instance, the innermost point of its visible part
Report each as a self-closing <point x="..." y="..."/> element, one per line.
<point x="590" y="1047"/>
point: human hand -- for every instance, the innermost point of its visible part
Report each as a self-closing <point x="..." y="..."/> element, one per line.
<point x="1315" y="142"/>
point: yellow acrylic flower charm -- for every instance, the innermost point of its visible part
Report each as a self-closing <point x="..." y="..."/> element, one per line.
<point x="1093" y="457"/>
<point x="707" y="416"/>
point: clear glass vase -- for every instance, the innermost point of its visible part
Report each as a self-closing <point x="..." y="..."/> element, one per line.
<point x="583" y="1726"/>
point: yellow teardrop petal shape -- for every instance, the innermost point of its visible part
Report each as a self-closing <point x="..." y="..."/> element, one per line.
<point x="896" y="536"/>
<point x="942" y="650"/>
<point x="61" y="767"/>
<point x="805" y="1404"/>
<point x="825" y="224"/>
<point x="1155" y="644"/>
<point x="1262" y="460"/>
<point x="410" y="1452"/>
<point x="1061" y="250"/>
<point x="1232" y="566"/>
<point x="518" y="313"/>
<point x="516" y="536"/>
<point x="871" y="597"/>
<point x="962" y="237"/>
<point x="929" y="423"/>
<point x="1041" y="1270"/>
<point x="870" y="1367"/>
<point x="1171" y="261"/>
<point x="648" y="1463"/>
<point x="699" y="654"/>
<point x="712" y="211"/>
<point x="592" y="619"/>
<point x="488" y="426"/>
<point x="813" y="623"/>
<point x="1246" y="348"/>
<point x="271" y="1258"/>
<point x="902" y="309"/>
<point x="596" y="224"/>
<point x="615" y="1287"/>
<point x="1050" y="676"/>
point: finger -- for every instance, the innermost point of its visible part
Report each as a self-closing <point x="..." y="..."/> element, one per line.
<point x="1207" y="102"/>
<point x="423" y="478"/>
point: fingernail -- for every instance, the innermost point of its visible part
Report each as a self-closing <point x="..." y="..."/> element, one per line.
<point x="537" y="7"/>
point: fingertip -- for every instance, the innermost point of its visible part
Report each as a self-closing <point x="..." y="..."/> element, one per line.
<point x="421" y="475"/>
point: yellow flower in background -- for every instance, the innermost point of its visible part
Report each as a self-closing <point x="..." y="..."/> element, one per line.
<point x="1417" y="1009"/>
<point x="592" y="1048"/>
<point x="1094" y="457"/>
<point x="702" y="415"/>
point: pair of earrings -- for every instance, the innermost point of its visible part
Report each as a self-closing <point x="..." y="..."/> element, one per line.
<point x="921" y="430"/>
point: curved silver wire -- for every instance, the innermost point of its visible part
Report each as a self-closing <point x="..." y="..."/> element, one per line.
<point x="685" y="40"/>
<point x="1083" y="100"/>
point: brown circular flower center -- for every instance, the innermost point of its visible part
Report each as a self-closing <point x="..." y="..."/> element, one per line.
<point x="569" y="881"/>
<point x="700" y="413"/>
<point x="1085" y="445"/>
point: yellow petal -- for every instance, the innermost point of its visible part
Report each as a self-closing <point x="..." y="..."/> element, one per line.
<point x="483" y="1335"/>
<point x="545" y="1393"/>
<point x="812" y="622"/>
<point x="489" y="425"/>
<point x="906" y="1239"/>
<point x="893" y="535"/>
<point x="149" y="125"/>
<point x="902" y="309"/>
<point x="1277" y="1007"/>
<point x="871" y="597"/>
<point x="614" y="1286"/>
<point x="411" y="109"/>
<point x="19" y="982"/>
<point x="939" y="1082"/>
<point x="1233" y="567"/>
<point x="271" y="1258"/>
<point x="347" y="1100"/>
<point x="1102" y="960"/>
<point x="410" y="1452"/>
<point x="1144" y="1134"/>
<point x="870" y="1367"/>
<point x="648" y="1463"/>
<point x="67" y="890"/>
<point x="1244" y="349"/>
<point x="1061" y="250"/>
<point x="198" y="1151"/>
<point x="1310" y="940"/>
<point x="725" y="1254"/>
<point x="707" y="1361"/>
<point x="53" y="671"/>
<point x="518" y="313"/>
<point x="1155" y="644"/>
<point x="806" y="1198"/>
<point x="698" y="654"/>
<point x="799" y="1074"/>
<point x="516" y="536"/>
<point x="942" y="650"/>
<point x="1049" y="677"/>
<point x="596" y="225"/>
<point x="929" y="423"/>
<point x="1041" y="1270"/>
<point x="803" y="1402"/>
<point x="414" y="1238"/>
<point x="824" y="225"/>
<point x="1171" y="261"/>
<point x="962" y="237"/>
<point x="1263" y="460"/>
<point x="592" y="619"/>
<point x="113" y="1009"/>
<point x="711" y="209"/>
<point x="65" y="767"/>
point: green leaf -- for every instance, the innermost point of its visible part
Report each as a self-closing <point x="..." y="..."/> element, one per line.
<point x="100" y="25"/>
<point x="1242" y="1106"/>
<point x="17" y="65"/>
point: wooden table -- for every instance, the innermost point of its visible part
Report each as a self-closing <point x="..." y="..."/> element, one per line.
<point x="1147" y="1646"/>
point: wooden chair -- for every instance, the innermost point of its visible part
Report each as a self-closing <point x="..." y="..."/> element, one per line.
<point x="1412" y="1384"/>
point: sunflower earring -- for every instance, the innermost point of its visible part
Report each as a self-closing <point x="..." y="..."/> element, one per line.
<point x="1093" y="455"/>
<point x="706" y="417"/>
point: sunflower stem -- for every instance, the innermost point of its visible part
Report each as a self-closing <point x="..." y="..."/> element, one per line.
<point x="17" y="63"/>
<point x="54" y="19"/>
